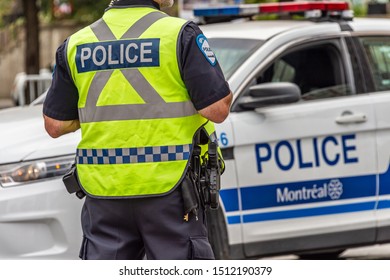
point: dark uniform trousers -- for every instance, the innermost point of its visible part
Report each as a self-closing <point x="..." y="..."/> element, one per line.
<point x="119" y="229"/>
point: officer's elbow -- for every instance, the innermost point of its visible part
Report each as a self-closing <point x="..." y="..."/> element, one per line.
<point x="218" y="111"/>
<point x="220" y="117"/>
<point x="57" y="128"/>
<point x="52" y="129"/>
<point x="52" y="132"/>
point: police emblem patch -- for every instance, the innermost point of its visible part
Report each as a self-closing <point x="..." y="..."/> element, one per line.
<point x="204" y="47"/>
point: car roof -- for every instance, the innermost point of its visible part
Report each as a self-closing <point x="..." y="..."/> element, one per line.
<point x="371" y="24"/>
<point x="260" y="29"/>
<point x="265" y="29"/>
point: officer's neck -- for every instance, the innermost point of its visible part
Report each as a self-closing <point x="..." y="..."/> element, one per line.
<point x="152" y="3"/>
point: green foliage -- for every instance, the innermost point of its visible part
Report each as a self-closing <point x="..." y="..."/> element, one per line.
<point x="5" y="10"/>
<point x="87" y="11"/>
<point x="360" y="10"/>
<point x="45" y="5"/>
<point x="266" y="17"/>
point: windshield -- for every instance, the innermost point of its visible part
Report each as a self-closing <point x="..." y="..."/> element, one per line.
<point x="231" y="53"/>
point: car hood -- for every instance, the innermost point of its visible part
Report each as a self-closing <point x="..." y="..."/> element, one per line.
<point x="23" y="136"/>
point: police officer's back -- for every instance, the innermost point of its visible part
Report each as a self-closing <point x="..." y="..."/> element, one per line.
<point x="144" y="88"/>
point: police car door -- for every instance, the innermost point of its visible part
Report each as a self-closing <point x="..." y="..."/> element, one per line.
<point x="376" y="48"/>
<point x="306" y="170"/>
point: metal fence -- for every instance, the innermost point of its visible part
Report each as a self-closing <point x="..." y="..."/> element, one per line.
<point x="29" y="87"/>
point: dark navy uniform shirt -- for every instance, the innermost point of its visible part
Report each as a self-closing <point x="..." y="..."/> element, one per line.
<point x="204" y="81"/>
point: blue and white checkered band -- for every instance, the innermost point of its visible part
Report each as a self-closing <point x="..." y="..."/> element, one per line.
<point x="133" y="155"/>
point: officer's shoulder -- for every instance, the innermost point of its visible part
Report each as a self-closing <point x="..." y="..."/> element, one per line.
<point x="191" y="29"/>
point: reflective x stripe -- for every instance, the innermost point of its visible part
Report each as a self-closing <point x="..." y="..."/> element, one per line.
<point x="93" y="113"/>
<point x="133" y="155"/>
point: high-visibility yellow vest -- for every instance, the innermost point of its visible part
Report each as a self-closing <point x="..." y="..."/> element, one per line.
<point x="137" y="120"/>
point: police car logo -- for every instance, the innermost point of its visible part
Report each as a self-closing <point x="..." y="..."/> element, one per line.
<point x="204" y="47"/>
<point x="335" y="189"/>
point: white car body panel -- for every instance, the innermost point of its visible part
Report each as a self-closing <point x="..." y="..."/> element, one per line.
<point x="39" y="219"/>
<point x="23" y="127"/>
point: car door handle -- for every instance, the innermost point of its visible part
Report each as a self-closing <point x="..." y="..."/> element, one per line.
<point x="348" y="117"/>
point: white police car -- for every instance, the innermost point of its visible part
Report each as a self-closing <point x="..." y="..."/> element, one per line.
<point x="307" y="143"/>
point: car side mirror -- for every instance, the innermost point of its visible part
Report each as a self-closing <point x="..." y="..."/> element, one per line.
<point x="270" y="94"/>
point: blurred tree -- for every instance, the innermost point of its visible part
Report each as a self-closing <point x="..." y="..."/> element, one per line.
<point x="30" y="12"/>
<point x="82" y="11"/>
<point x="10" y="11"/>
<point x="87" y="11"/>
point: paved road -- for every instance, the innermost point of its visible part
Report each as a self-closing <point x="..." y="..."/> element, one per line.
<point x="377" y="252"/>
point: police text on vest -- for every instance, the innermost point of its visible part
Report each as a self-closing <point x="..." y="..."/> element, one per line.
<point x="118" y="54"/>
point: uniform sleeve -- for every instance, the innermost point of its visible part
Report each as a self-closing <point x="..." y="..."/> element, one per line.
<point x="201" y="74"/>
<point x="62" y="97"/>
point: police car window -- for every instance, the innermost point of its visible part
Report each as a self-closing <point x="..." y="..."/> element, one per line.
<point x="231" y="53"/>
<point x="283" y="72"/>
<point x="318" y="71"/>
<point x="378" y="52"/>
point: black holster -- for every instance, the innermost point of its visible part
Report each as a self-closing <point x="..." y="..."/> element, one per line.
<point x="190" y="195"/>
<point x="201" y="184"/>
<point x="214" y="175"/>
<point x="208" y="175"/>
<point x="72" y="183"/>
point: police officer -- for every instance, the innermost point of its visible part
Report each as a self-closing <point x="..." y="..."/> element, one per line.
<point x="141" y="85"/>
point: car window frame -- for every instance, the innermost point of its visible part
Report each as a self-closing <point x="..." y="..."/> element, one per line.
<point x="337" y="40"/>
<point x="370" y="86"/>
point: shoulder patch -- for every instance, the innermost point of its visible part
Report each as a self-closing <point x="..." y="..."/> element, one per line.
<point x="204" y="47"/>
